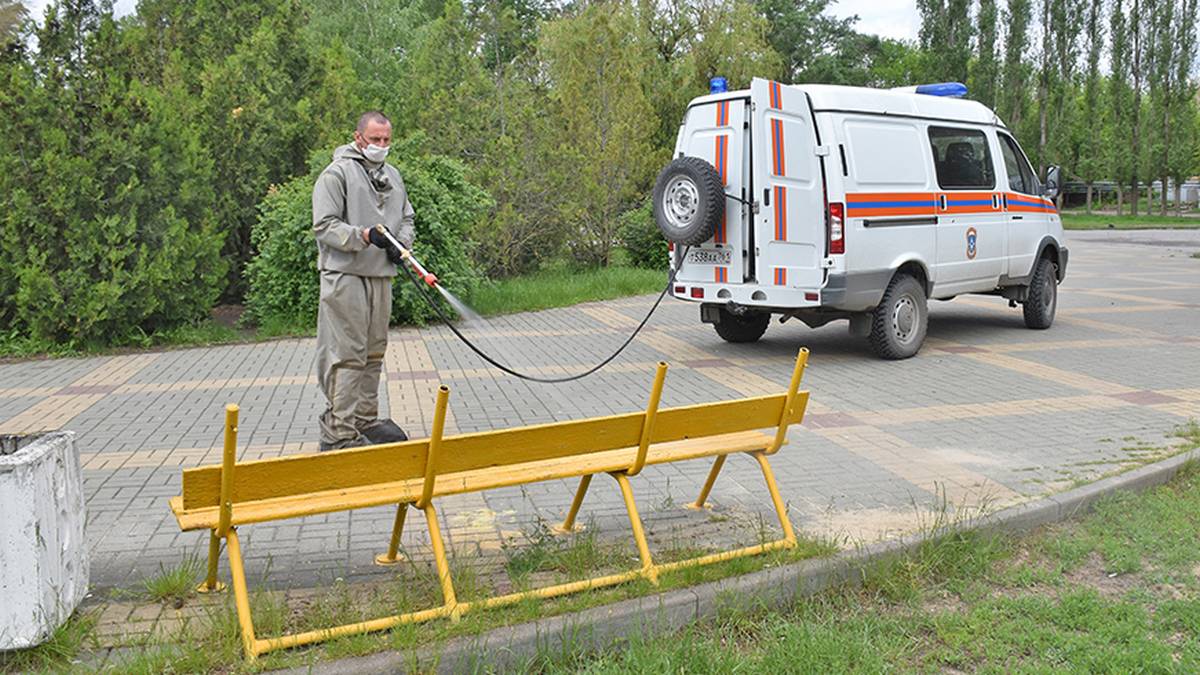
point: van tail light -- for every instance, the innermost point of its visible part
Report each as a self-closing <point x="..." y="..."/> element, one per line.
<point x="671" y="246"/>
<point x="837" y="229"/>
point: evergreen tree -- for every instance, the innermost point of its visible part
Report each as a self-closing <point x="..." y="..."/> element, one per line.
<point x="108" y="232"/>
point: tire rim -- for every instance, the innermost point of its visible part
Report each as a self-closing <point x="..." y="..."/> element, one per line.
<point x="904" y="319"/>
<point x="1049" y="296"/>
<point x="680" y="201"/>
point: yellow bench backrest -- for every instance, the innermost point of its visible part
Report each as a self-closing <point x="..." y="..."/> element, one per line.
<point x="305" y="474"/>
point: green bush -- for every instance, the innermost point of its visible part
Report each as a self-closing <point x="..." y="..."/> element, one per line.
<point x="107" y="232"/>
<point x="283" y="284"/>
<point x="642" y="239"/>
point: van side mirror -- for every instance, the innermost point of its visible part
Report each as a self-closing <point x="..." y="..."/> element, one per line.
<point x="1053" y="181"/>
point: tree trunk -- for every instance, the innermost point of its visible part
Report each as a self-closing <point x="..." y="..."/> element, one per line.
<point x="1164" y="196"/>
<point x="1179" y="198"/>
<point x="1120" y="198"/>
<point x="1089" y="198"/>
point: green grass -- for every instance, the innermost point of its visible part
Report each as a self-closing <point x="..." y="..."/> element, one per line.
<point x="177" y="583"/>
<point x="1117" y="591"/>
<point x="564" y="286"/>
<point x="1081" y="221"/>
<point x="14" y="345"/>
<point x="78" y="633"/>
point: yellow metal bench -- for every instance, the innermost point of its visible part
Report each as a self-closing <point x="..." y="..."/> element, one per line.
<point x="222" y="497"/>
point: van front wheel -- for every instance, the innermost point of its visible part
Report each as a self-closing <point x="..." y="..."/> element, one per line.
<point x="899" y="323"/>
<point x="745" y="328"/>
<point x="1043" y="296"/>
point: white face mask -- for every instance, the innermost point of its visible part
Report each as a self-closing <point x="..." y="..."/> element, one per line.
<point x="375" y="153"/>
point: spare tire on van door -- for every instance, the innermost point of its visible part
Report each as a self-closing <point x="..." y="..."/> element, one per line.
<point x="689" y="201"/>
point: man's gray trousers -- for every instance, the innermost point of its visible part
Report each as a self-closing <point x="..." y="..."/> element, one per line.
<point x="352" y="324"/>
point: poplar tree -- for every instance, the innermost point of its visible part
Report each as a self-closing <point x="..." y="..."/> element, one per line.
<point x="1120" y="97"/>
<point x="1091" y="117"/>
<point x="945" y="36"/>
<point x="1016" y="74"/>
<point x="984" y="72"/>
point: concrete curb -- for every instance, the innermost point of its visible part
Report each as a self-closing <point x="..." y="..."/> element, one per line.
<point x="512" y="647"/>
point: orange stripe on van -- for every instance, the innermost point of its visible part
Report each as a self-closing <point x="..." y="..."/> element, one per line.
<point x="874" y="204"/>
<point x="1019" y="203"/>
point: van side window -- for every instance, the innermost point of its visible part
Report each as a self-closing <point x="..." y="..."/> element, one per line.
<point x="1020" y="176"/>
<point x="962" y="158"/>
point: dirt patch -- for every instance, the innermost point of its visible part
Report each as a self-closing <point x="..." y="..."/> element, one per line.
<point x="228" y="315"/>
<point x="1110" y="585"/>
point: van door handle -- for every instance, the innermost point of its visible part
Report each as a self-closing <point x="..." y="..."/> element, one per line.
<point x="1018" y="217"/>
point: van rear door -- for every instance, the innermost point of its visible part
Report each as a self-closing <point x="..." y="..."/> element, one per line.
<point x="714" y="131"/>
<point x="790" y="226"/>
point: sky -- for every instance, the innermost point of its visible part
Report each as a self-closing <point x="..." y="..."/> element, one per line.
<point x="888" y="18"/>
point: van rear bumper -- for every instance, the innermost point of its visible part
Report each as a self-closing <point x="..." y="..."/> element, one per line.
<point x="855" y="291"/>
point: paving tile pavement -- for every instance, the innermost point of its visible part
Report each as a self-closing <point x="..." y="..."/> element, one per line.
<point x="988" y="414"/>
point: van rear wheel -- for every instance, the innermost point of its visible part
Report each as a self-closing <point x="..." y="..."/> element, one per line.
<point x="689" y="201"/>
<point x="899" y="323"/>
<point x="748" y="327"/>
<point x="1039" y="306"/>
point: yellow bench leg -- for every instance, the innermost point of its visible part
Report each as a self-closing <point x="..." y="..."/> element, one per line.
<point x="708" y="484"/>
<point x="639" y="535"/>
<point x="568" y="525"/>
<point x="211" y="584"/>
<point x="769" y="476"/>
<point x="241" y="596"/>
<point x="392" y="557"/>
<point x="443" y="565"/>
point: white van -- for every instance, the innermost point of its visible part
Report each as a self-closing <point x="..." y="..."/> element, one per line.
<point x="823" y="202"/>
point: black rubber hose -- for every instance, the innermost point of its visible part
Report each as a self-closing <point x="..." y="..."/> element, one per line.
<point x="533" y="378"/>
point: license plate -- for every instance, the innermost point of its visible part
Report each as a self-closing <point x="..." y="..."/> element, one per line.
<point x="709" y="257"/>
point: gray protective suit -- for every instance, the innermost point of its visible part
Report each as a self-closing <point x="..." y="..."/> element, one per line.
<point x="351" y="195"/>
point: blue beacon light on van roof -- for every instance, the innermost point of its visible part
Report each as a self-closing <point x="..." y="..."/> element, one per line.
<point x="948" y="89"/>
<point x="718" y="85"/>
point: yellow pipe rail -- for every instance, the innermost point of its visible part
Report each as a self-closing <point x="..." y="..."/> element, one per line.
<point x="241" y="596"/>
<point x="568" y="525"/>
<point x="708" y="484"/>
<point x="660" y="375"/>
<point x="392" y="557"/>
<point x="639" y="535"/>
<point x="228" y="459"/>
<point x="435" y="442"/>
<point x="786" y="415"/>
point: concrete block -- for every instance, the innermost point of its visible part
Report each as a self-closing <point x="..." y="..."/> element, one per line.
<point x="43" y="550"/>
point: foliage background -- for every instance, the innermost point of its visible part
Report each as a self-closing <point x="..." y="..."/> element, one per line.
<point x="156" y="164"/>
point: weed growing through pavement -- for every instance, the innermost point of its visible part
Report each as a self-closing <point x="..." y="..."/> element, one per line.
<point x="177" y="583"/>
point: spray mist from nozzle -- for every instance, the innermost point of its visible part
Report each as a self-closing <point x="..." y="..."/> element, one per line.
<point x="431" y="279"/>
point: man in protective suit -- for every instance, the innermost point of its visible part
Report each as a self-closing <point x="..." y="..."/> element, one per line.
<point x="356" y="192"/>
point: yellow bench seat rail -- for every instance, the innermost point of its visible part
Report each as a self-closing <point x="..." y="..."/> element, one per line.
<point x="221" y="497"/>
